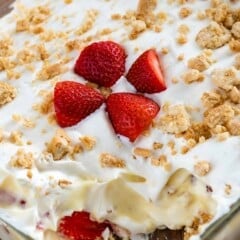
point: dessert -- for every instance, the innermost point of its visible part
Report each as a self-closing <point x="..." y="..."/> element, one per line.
<point x="118" y="117"/>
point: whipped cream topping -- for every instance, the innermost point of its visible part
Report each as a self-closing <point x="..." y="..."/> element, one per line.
<point x="35" y="199"/>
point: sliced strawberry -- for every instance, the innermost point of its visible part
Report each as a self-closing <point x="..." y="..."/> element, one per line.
<point x="146" y="74"/>
<point x="130" y="113"/>
<point x="102" y="63"/>
<point x="79" y="226"/>
<point x="74" y="101"/>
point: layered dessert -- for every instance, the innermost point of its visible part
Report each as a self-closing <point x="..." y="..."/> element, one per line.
<point x="118" y="118"/>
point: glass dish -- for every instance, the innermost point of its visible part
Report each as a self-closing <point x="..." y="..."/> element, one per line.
<point x="226" y="228"/>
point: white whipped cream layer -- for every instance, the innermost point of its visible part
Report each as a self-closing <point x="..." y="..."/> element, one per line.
<point x="45" y="200"/>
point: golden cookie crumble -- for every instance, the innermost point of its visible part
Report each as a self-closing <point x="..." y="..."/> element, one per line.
<point x="7" y="93"/>
<point x="174" y="120"/>
<point x="22" y="159"/>
<point x="107" y="160"/>
<point x="192" y="75"/>
<point x="225" y="27"/>
<point x="60" y="145"/>
<point x="177" y="121"/>
<point x="202" y="168"/>
<point x="31" y="17"/>
<point x="213" y="36"/>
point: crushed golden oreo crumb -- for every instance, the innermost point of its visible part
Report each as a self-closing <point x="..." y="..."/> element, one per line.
<point x="192" y="75"/>
<point x="185" y="12"/>
<point x="175" y="120"/>
<point x="74" y="45"/>
<point x="211" y="99"/>
<point x="22" y="159"/>
<point x="162" y="162"/>
<point x="202" y="168"/>
<point x="213" y="36"/>
<point x="233" y="126"/>
<point x="7" y="93"/>
<point x="88" y="142"/>
<point x="228" y="189"/>
<point x="157" y="145"/>
<point x="89" y="20"/>
<point x="60" y="145"/>
<point x="33" y="16"/>
<point x="142" y="152"/>
<point x="219" y="115"/>
<point x="49" y="71"/>
<point x="42" y="51"/>
<point x="109" y="161"/>
<point x="46" y="106"/>
<point x="63" y="183"/>
<point x="200" y="62"/>
<point x="68" y="1"/>
<point x="6" y="45"/>
<point x="225" y="78"/>
<point x="16" y="138"/>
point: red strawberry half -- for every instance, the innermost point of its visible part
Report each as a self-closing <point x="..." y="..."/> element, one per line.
<point x="78" y="226"/>
<point x="130" y="113"/>
<point x="74" y="101"/>
<point x="102" y="63"/>
<point x="146" y="74"/>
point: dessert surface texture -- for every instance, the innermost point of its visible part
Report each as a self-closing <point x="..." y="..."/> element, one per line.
<point x="118" y="117"/>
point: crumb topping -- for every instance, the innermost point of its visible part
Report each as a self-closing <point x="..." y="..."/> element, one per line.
<point x="22" y="159"/>
<point x="33" y="16"/>
<point x="88" y="142"/>
<point x="225" y="78"/>
<point x="89" y="20"/>
<point x="50" y="71"/>
<point x="219" y="115"/>
<point x="200" y="62"/>
<point x="192" y="75"/>
<point x="7" y="93"/>
<point x="109" y="161"/>
<point x="175" y="120"/>
<point x="60" y="145"/>
<point x="142" y="152"/>
<point x="213" y="36"/>
<point x="162" y="162"/>
<point x="202" y="168"/>
<point x="185" y="12"/>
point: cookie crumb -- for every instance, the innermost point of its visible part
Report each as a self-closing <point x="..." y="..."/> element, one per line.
<point x="202" y="168"/>
<point x="225" y="78"/>
<point x="213" y="36"/>
<point x="109" y="161"/>
<point x="157" y="145"/>
<point x="7" y="93"/>
<point x="63" y="183"/>
<point x="185" y="12"/>
<point x="235" y="95"/>
<point x="22" y="159"/>
<point x="234" y="45"/>
<point x="236" y="30"/>
<point x="233" y="127"/>
<point x="16" y="138"/>
<point x="211" y="99"/>
<point x="88" y="142"/>
<point x="142" y="152"/>
<point x="200" y="63"/>
<point x="219" y="115"/>
<point x="192" y="75"/>
<point x="228" y="189"/>
<point x="60" y="145"/>
<point x="175" y="120"/>
<point x="49" y="71"/>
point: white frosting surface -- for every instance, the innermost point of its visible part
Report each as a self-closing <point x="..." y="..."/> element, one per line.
<point x="47" y="201"/>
